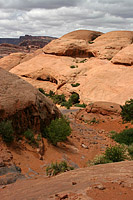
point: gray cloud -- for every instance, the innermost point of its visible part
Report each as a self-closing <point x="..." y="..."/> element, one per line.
<point x="57" y="17"/>
<point x="29" y="4"/>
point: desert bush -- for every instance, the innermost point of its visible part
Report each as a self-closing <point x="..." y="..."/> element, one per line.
<point x="130" y="150"/>
<point x="42" y="91"/>
<point x="57" y="131"/>
<point x="74" y="98"/>
<point x="100" y="159"/>
<point x="75" y="85"/>
<point x="81" y="105"/>
<point x="124" y="137"/>
<point x="73" y="66"/>
<point x="6" y="131"/>
<point x="58" y="99"/>
<point x="56" y="168"/>
<point x="127" y="111"/>
<point x="29" y="135"/>
<point x="116" y="153"/>
<point x="94" y="121"/>
<point x="90" y="42"/>
<point x="83" y="61"/>
<point x="67" y="104"/>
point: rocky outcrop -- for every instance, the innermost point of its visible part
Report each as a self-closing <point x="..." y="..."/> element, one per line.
<point x="112" y="180"/>
<point x="10" y="174"/>
<point x="90" y="44"/>
<point x="124" y="57"/>
<point x="10" y="61"/>
<point x="86" y="35"/>
<point x="26" y="107"/>
<point x="73" y="44"/>
<point x="103" y="108"/>
<point x="99" y="112"/>
<point x="109" y="44"/>
<point x="6" y="49"/>
<point x="100" y="80"/>
<point x="14" y="59"/>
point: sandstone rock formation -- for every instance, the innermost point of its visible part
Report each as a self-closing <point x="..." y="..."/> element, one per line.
<point x="99" y="79"/>
<point x="26" y="107"/>
<point x="95" y="44"/>
<point x="8" y="62"/>
<point x="14" y="59"/>
<point x="112" y="181"/>
<point x="124" y="57"/>
<point x="99" y="112"/>
<point x="82" y="35"/>
<point x="73" y="44"/>
<point x="109" y="44"/>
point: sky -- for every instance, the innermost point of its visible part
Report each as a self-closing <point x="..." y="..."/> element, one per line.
<point x="58" y="17"/>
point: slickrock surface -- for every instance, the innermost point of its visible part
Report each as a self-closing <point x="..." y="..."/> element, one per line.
<point x="100" y="80"/>
<point x="113" y="181"/>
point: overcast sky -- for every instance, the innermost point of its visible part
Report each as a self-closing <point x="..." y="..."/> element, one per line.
<point x="58" y="17"/>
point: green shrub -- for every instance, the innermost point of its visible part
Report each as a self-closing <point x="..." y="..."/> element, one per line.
<point x="81" y="105"/>
<point x="58" y="99"/>
<point x="6" y="131"/>
<point x="29" y="136"/>
<point x="56" y="168"/>
<point x="94" y="121"/>
<point x="57" y="131"/>
<point x="130" y="150"/>
<point x="124" y="137"/>
<point x="115" y="153"/>
<point x="100" y="160"/>
<point x="75" y="85"/>
<point x="39" y="137"/>
<point x="42" y="91"/>
<point x="67" y="104"/>
<point x="51" y="93"/>
<point x="83" y="61"/>
<point x="127" y="111"/>
<point x="90" y="42"/>
<point x="74" y="98"/>
<point x="73" y="66"/>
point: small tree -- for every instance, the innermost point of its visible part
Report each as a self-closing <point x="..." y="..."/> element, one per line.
<point x="57" y="131"/>
<point x="6" y="131"/>
<point x="127" y="111"/>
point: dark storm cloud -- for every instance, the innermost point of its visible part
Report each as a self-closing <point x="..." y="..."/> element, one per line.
<point x="57" y="17"/>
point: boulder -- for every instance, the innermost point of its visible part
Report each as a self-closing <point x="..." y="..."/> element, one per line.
<point x="24" y="105"/>
<point x="124" y="57"/>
